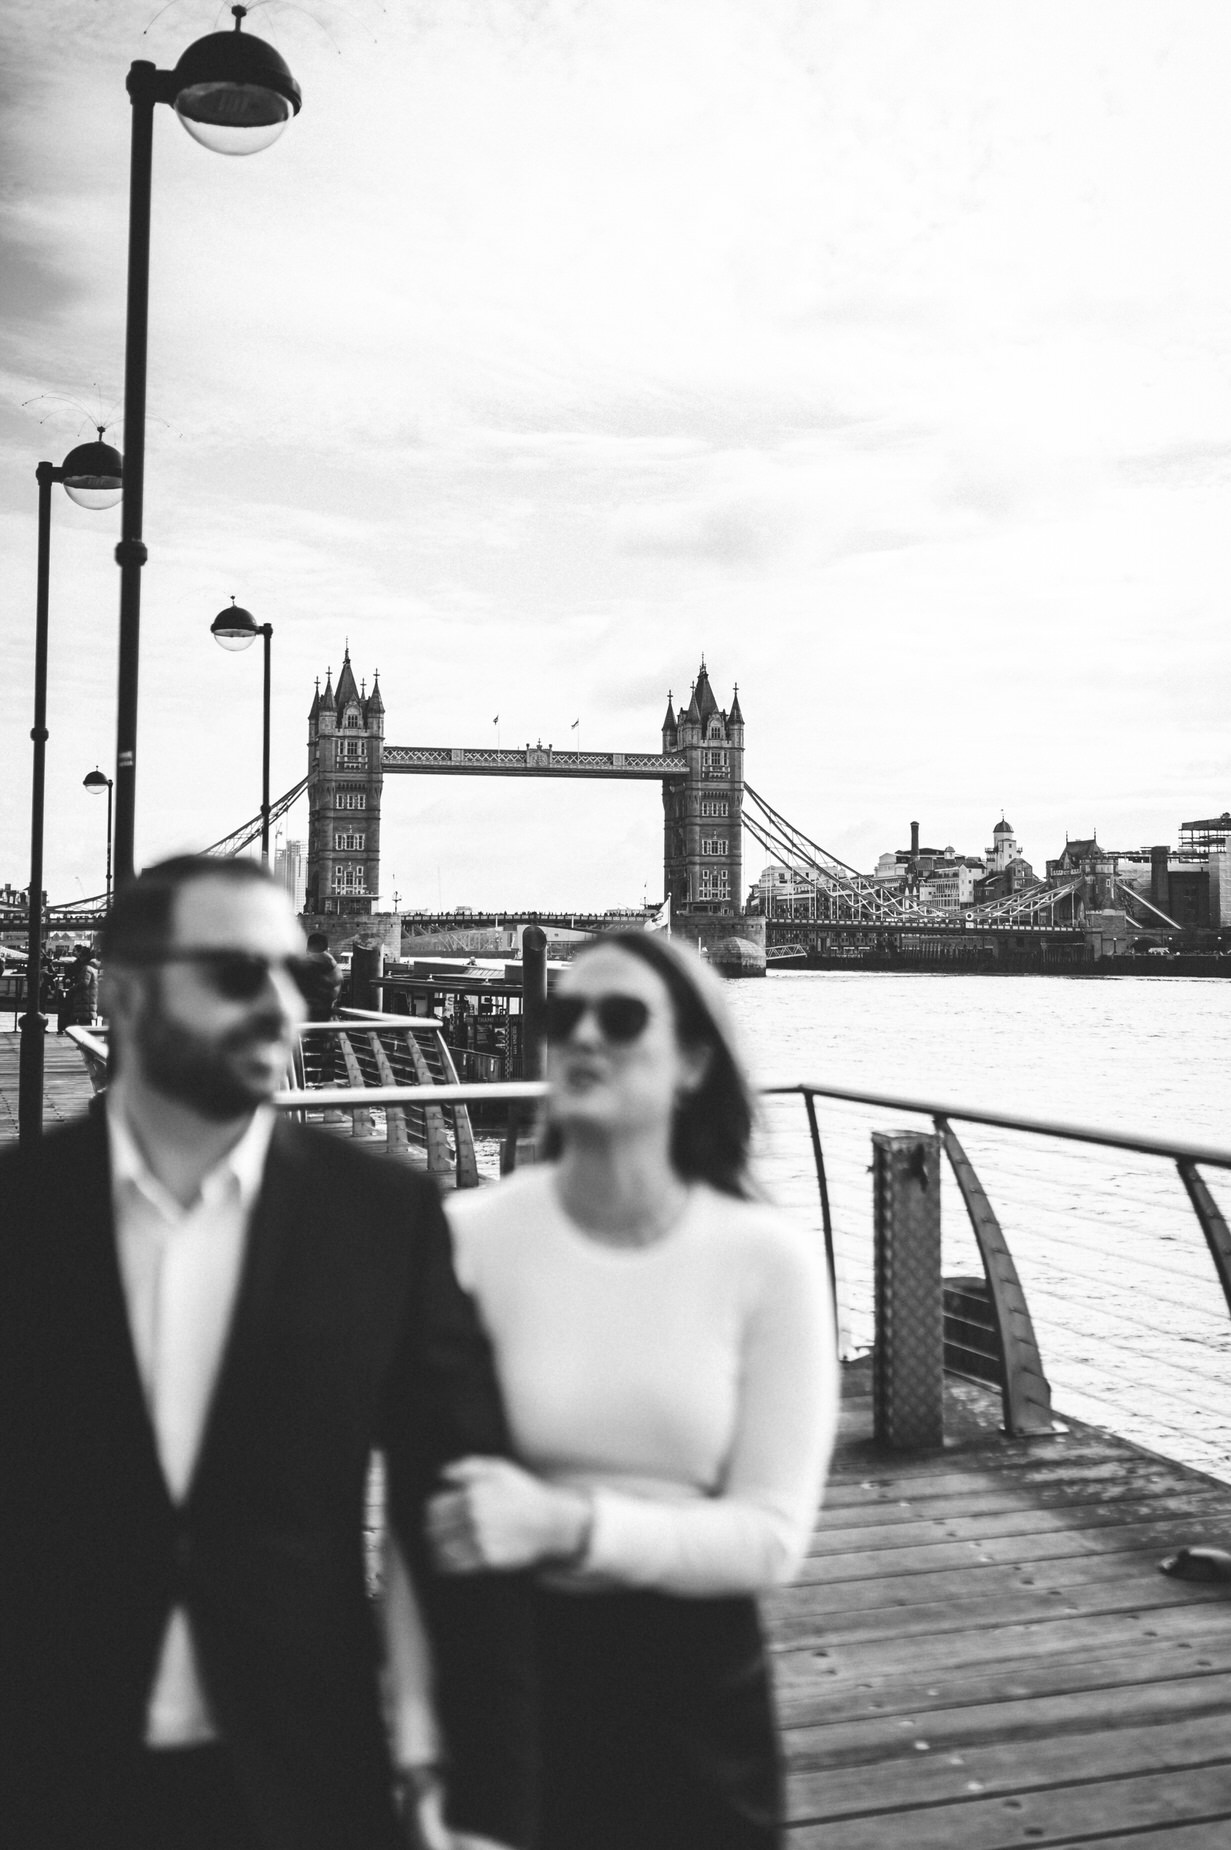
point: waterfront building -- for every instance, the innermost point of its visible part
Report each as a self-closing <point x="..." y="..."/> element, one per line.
<point x="1083" y="858"/>
<point x="703" y="815"/>
<point x="1003" y="882"/>
<point x="936" y="877"/>
<point x="1188" y="885"/>
<point x="949" y="884"/>
<point x="1206" y="837"/>
<point x="1005" y="868"/>
<point x="346" y="731"/>
<point x="1003" y="849"/>
<point x="776" y="886"/>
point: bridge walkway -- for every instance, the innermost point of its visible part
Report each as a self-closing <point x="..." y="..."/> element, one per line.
<point x="982" y="1654"/>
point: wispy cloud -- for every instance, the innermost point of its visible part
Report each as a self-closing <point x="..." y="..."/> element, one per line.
<point x="878" y="351"/>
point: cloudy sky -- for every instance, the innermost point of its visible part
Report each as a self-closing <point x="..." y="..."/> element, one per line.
<point x="879" y="352"/>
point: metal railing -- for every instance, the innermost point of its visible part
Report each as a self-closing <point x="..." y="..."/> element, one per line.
<point x="1090" y="1245"/>
<point x="1042" y="1233"/>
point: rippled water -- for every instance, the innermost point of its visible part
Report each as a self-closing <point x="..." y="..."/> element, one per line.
<point x="1133" y="1328"/>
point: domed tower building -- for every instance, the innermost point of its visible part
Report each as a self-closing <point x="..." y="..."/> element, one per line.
<point x="1003" y="848"/>
<point x="346" y="731"/>
<point x="703" y="815"/>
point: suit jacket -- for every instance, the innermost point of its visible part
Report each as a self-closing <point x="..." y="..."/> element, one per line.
<point x="349" y="1331"/>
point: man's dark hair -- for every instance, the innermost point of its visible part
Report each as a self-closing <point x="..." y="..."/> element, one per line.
<point x="140" y="919"/>
<point x="317" y="941"/>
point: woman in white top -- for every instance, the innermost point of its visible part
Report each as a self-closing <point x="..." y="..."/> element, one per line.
<point x="665" y="1346"/>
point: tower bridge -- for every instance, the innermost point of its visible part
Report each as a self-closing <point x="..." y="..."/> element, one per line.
<point x="828" y="907"/>
<point x="700" y="770"/>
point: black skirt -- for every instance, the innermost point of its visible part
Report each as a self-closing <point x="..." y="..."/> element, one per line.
<point x="658" y="1728"/>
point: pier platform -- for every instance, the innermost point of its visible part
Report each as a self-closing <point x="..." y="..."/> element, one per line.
<point x="982" y="1653"/>
<point x="66" y="1084"/>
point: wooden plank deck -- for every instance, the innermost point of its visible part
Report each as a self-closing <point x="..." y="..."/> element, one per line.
<point x="982" y="1654"/>
<point x="66" y="1084"/>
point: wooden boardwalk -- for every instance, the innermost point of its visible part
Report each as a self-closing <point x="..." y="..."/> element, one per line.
<point x="66" y="1085"/>
<point x="983" y="1655"/>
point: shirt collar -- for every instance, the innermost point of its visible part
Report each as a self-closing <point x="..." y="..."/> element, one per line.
<point x="242" y="1167"/>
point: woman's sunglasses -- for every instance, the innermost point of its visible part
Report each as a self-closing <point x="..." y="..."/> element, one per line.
<point x="235" y="976"/>
<point x="620" y="1018"/>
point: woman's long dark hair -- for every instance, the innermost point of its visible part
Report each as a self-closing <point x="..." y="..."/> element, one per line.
<point x="712" y="1132"/>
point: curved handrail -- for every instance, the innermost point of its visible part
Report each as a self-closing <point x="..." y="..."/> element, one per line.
<point x="1177" y="1149"/>
<point x="1025" y="1389"/>
<point x="1213" y="1226"/>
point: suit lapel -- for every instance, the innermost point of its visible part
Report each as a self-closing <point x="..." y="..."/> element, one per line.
<point x="269" y="1245"/>
<point x="105" y="1330"/>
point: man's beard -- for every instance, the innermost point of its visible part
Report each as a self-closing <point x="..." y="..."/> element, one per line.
<point x="203" y="1073"/>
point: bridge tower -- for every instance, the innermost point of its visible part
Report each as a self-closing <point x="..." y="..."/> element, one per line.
<point x="703" y="866"/>
<point x="346" y="733"/>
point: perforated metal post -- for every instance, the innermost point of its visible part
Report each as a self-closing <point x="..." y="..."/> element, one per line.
<point x="908" y="1371"/>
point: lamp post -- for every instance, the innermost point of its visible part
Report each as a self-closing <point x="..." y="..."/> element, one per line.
<point x="234" y="94"/>
<point x="235" y="629"/>
<point x="95" y="783"/>
<point x="92" y="475"/>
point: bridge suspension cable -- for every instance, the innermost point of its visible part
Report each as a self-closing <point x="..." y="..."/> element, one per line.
<point x="248" y="832"/>
<point x="842" y="894"/>
<point x="836" y="893"/>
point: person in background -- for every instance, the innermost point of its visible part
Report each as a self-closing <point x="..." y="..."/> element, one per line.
<point x="209" y="1319"/>
<point x="665" y="1344"/>
<point x="79" y="1008"/>
<point x="323" y="978"/>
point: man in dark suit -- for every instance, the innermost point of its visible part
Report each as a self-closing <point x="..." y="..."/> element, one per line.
<point x="208" y="1321"/>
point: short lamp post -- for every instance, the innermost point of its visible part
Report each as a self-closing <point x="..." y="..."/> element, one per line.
<point x="92" y="475"/>
<point x="236" y="629"/>
<point x="234" y="94"/>
<point x="95" y="782"/>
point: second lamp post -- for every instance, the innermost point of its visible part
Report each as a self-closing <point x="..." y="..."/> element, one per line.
<point x="96" y="782"/>
<point x="92" y="475"/>
<point x="235" y="629"/>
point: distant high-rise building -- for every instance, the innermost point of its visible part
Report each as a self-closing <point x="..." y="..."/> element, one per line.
<point x="290" y="870"/>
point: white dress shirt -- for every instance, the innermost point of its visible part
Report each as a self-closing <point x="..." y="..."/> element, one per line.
<point x="180" y="1269"/>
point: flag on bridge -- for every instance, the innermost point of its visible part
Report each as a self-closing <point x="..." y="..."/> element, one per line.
<point x="661" y="920"/>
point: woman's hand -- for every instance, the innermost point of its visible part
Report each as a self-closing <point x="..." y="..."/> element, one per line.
<point x="421" y="1807"/>
<point x="495" y="1515"/>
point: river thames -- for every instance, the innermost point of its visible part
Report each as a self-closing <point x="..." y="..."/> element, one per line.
<point x="1131" y="1321"/>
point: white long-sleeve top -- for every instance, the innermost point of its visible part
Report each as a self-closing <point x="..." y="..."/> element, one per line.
<point x="690" y="1386"/>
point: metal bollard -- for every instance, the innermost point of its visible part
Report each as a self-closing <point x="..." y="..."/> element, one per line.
<point x="908" y="1364"/>
<point x="534" y="1000"/>
<point x="520" y="1143"/>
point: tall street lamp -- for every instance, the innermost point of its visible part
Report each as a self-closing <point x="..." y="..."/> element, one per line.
<point x="92" y="475"/>
<point x="234" y="94"/>
<point x="235" y="629"/>
<point x="95" y="782"/>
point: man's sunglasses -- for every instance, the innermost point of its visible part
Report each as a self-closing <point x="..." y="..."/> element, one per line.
<point x="235" y="976"/>
<point x="620" y="1018"/>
